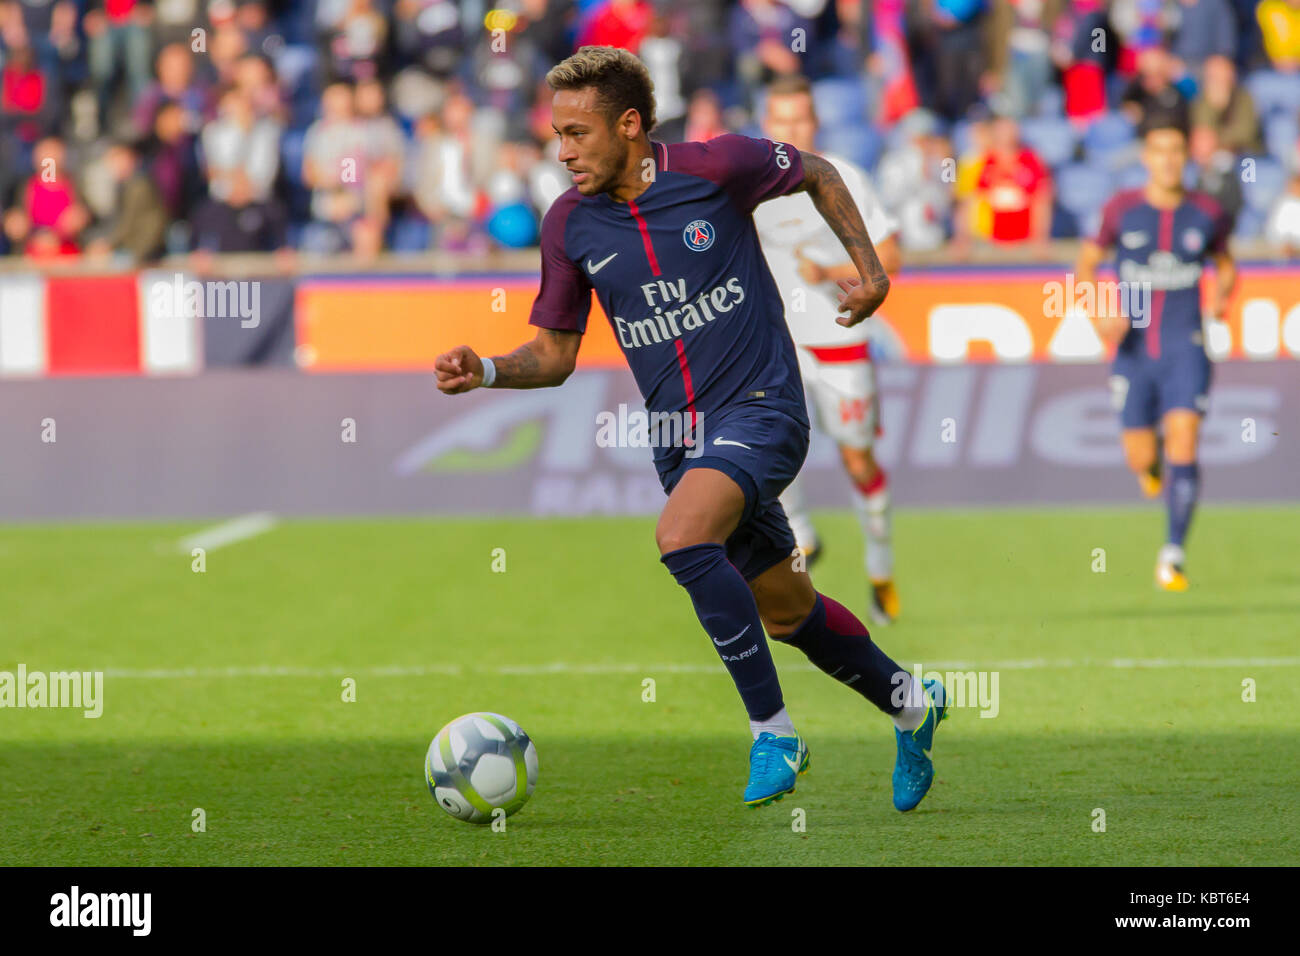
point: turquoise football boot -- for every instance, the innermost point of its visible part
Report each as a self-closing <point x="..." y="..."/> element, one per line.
<point x="774" y="765"/>
<point x="913" y="770"/>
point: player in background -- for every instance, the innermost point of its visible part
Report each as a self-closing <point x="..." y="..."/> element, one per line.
<point x="1164" y="236"/>
<point x="807" y="259"/>
<point x="664" y="235"/>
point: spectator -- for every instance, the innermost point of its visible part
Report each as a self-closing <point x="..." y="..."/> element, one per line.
<point x="28" y="109"/>
<point x="384" y="147"/>
<point x="973" y="218"/>
<point x="1020" y="54"/>
<point x="255" y="77"/>
<point x="119" y="41"/>
<point x="1016" y="185"/>
<point x="172" y="161"/>
<point x="704" y="118"/>
<point x="1217" y="174"/>
<point x="251" y="20"/>
<point x="50" y="28"/>
<point x="1207" y="28"/>
<point x="1227" y="107"/>
<point x="241" y="156"/>
<point x="1279" y="24"/>
<point x="138" y="225"/>
<point x="176" y="20"/>
<point x="356" y="44"/>
<point x="662" y="54"/>
<point x="333" y="158"/>
<point x="913" y="185"/>
<point x="1283" y="228"/>
<point x="1153" y="89"/>
<point x="951" y="59"/>
<point x="428" y="33"/>
<point x="50" y="217"/>
<point x="621" y="23"/>
<point x="761" y="34"/>
<point x="176" y="83"/>
<point x="1079" y="49"/>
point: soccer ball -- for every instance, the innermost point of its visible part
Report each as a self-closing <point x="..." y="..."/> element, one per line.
<point x="480" y="763"/>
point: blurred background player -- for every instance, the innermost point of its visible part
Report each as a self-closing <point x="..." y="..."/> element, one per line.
<point x="1161" y="375"/>
<point x="806" y="260"/>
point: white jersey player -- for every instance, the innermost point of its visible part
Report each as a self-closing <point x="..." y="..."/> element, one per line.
<point x="806" y="258"/>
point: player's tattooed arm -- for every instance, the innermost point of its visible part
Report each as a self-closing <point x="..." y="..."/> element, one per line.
<point x="547" y="360"/>
<point x="835" y="203"/>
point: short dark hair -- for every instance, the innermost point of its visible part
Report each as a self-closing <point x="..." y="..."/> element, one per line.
<point x="1165" y="117"/>
<point x="621" y="80"/>
<point x="789" y="85"/>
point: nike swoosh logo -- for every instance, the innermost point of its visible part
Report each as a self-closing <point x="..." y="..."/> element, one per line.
<point x="734" y="639"/>
<point x="792" y="764"/>
<point x="594" y="267"/>
<point x="723" y="441"/>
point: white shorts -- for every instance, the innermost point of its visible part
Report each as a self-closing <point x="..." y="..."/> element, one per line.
<point x="840" y="384"/>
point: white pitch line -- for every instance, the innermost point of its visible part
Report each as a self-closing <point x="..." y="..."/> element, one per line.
<point x="229" y="532"/>
<point x="561" y="667"/>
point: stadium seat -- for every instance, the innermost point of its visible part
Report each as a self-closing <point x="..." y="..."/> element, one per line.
<point x="858" y="143"/>
<point x="840" y="100"/>
<point x="1051" y="137"/>
<point x="294" y="65"/>
<point x="1281" y="131"/>
<point x="1052" y="102"/>
<point x="291" y="155"/>
<point x="1274" y="92"/>
<point x="1132" y="176"/>
<point x="1250" y="224"/>
<point x="1109" y="131"/>
<point x="1082" y="188"/>
<point x="1270" y="180"/>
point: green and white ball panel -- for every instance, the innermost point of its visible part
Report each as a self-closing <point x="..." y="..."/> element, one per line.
<point x="481" y="762"/>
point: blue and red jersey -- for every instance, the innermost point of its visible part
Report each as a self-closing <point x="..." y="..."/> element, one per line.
<point x="680" y="275"/>
<point x="1163" y="251"/>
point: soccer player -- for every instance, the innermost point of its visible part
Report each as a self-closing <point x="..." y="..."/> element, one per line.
<point x="806" y="259"/>
<point x="665" y="237"/>
<point x="1161" y="374"/>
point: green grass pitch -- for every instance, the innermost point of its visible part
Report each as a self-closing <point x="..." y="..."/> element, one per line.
<point x="224" y="692"/>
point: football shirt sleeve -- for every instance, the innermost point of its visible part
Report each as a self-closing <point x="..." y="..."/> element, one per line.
<point x="1108" y="231"/>
<point x="564" y="299"/>
<point x="753" y="170"/>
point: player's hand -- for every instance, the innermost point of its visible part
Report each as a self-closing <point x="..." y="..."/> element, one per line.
<point x="459" y="370"/>
<point x="1113" y="327"/>
<point x="860" y="299"/>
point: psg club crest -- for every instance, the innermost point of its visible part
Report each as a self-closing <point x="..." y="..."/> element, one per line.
<point x="1193" y="241"/>
<point x="698" y="235"/>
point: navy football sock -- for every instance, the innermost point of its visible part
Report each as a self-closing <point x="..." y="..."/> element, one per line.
<point x="726" y="608"/>
<point x="1184" y="486"/>
<point x="838" y="643"/>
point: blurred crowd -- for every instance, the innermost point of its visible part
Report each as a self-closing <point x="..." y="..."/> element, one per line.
<point x="129" y="130"/>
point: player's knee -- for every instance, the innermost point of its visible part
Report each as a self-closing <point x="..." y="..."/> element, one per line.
<point x="1140" y="460"/>
<point x="673" y="536"/>
<point x="862" y="468"/>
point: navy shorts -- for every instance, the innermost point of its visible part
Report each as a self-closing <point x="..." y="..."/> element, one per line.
<point x="1143" y="388"/>
<point x="760" y="445"/>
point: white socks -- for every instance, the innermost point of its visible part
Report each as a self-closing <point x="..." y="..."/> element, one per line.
<point x="792" y="502"/>
<point x="914" y="709"/>
<point x="779" y="724"/>
<point x="877" y="527"/>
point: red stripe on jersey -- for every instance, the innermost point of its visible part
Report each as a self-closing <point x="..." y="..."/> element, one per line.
<point x="1164" y="242"/>
<point x="645" y="237"/>
<point x="842" y="353"/>
<point x="686" y="381"/>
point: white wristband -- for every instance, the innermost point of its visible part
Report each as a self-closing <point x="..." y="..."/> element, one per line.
<point x="489" y="372"/>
